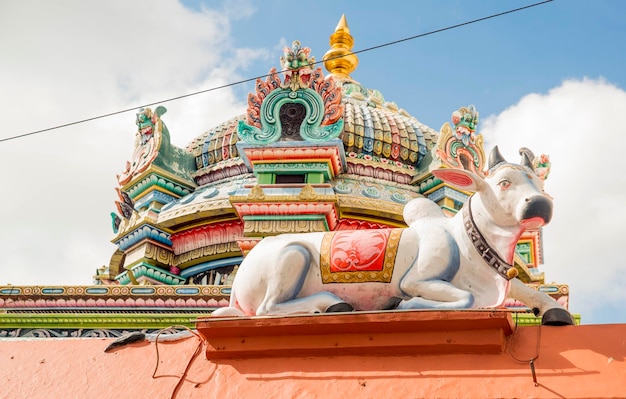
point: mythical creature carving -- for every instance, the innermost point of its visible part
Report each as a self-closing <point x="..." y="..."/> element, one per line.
<point x="297" y="62"/>
<point x="147" y="142"/>
<point x="465" y="121"/>
<point x="461" y="147"/>
<point x="125" y="206"/>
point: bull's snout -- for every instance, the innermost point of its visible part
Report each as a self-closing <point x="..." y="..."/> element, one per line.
<point x="535" y="207"/>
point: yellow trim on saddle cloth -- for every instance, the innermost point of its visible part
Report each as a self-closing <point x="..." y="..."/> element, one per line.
<point x="359" y="276"/>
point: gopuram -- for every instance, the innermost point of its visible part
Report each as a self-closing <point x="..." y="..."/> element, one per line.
<point x="316" y="151"/>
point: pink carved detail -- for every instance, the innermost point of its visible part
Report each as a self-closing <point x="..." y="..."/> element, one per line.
<point x="395" y="136"/>
<point x="219" y="172"/>
<point x="263" y="88"/>
<point x="199" y="237"/>
<point x="245" y="245"/>
<point x="331" y="96"/>
<point x="378" y="173"/>
<point x="354" y="224"/>
<point x="447" y="159"/>
<point x="395" y="150"/>
<point x="299" y="154"/>
<point x="292" y="208"/>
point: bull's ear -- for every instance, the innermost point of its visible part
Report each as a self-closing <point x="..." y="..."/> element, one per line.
<point x="459" y="178"/>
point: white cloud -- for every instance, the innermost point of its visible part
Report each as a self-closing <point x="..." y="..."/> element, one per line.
<point x="69" y="60"/>
<point x="578" y="124"/>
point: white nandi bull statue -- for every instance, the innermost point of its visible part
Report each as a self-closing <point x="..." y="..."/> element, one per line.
<point x="437" y="262"/>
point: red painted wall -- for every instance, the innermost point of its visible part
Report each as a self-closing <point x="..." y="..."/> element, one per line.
<point x="574" y="362"/>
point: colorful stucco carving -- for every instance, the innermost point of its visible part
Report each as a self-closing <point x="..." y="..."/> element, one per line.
<point x="314" y="152"/>
<point x="304" y="106"/>
<point x="461" y="146"/>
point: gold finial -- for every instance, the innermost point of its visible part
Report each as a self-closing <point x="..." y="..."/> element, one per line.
<point x="339" y="60"/>
<point x="343" y="24"/>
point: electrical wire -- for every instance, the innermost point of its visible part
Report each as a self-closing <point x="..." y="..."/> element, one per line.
<point x="196" y="353"/>
<point x="530" y="361"/>
<point x="269" y="74"/>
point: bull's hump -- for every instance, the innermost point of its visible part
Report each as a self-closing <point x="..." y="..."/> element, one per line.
<point x="421" y="208"/>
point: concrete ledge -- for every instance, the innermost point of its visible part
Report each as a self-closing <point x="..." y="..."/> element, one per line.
<point x="391" y="332"/>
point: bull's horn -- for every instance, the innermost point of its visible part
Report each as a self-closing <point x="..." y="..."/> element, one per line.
<point x="495" y="157"/>
<point x="527" y="157"/>
<point x="527" y="162"/>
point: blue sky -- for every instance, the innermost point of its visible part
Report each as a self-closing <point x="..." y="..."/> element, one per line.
<point x="491" y="64"/>
<point x="550" y="77"/>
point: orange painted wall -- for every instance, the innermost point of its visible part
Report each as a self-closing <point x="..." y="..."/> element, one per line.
<point x="574" y="362"/>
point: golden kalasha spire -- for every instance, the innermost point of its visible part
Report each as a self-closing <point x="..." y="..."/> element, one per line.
<point x="339" y="60"/>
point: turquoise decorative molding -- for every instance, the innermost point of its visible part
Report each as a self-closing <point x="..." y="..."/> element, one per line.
<point x="429" y="183"/>
<point x="399" y="198"/>
<point x="371" y="192"/>
<point x="310" y="130"/>
<point x="142" y="291"/>
<point x="143" y="232"/>
<point x="447" y="192"/>
<point x="396" y="193"/>
<point x="187" y="290"/>
<point x="151" y="272"/>
<point x="295" y="167"/>
<point x="52" y="291"/>
<point x="97" y="291"/>
<point x="159" y="181"/>
<point x="32" y="296"/>
<point x="154" y="196"/>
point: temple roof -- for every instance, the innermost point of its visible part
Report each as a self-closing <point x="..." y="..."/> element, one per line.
<point x="373" y="129"/>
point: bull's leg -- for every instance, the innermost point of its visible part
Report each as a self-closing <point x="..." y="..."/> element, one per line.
<point x="284" y="287"/>
<point x="552" y="312"/>
<point x="427" y="282"/>
<point x="320" y="302"/>
<point x="434" y="294"/>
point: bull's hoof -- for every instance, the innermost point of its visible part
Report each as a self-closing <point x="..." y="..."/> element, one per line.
<point x="392" y="303"/>
<point x="557" y="317"/>
<point x="339" y="307"/>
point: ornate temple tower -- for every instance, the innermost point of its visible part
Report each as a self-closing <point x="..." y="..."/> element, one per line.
<point x="311" y="153"/>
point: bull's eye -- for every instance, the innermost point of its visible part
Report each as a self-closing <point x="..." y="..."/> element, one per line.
<point x="504" y="184"/>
